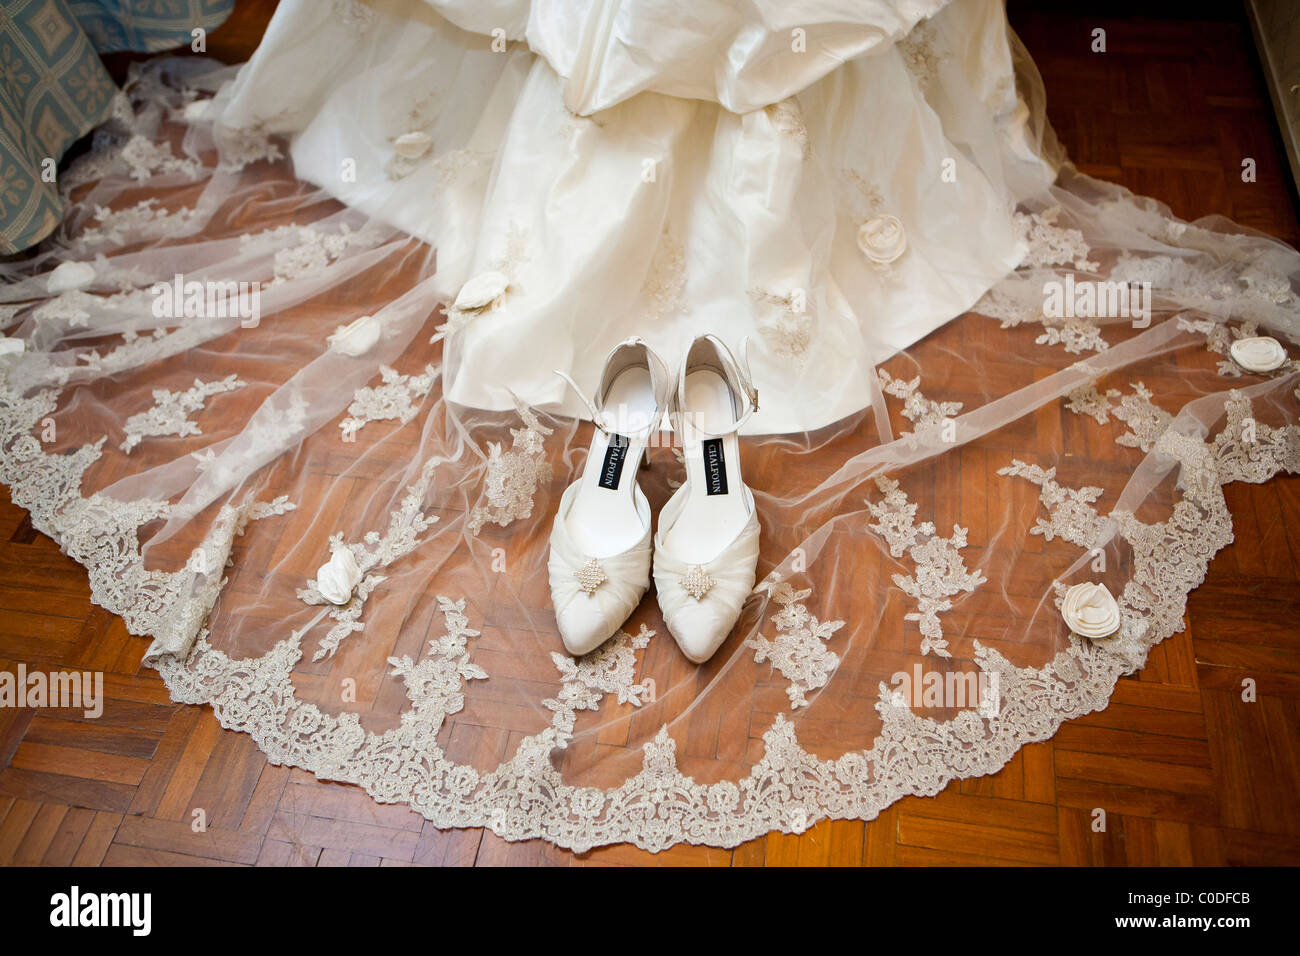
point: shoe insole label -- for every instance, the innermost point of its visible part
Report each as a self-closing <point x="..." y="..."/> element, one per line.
<point x="611" y="469"/>
<point x="715" y="467"/>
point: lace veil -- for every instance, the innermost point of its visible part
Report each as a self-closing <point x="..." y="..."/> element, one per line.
<point x="203" y="462"/>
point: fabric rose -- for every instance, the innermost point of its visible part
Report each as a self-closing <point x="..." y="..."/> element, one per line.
<point x="1090" y="610"/>
<point x="882" y="239"/>
<point x="1259" y="354"/>
<point x="70" y="276"/>
<point x="412" y="145"/>
<point x="481" y="291"/>
<point x="356" y="338"/>
<point x="336" y="578"/>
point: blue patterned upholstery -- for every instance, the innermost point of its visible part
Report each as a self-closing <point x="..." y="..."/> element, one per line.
<point x="54" y="89"/>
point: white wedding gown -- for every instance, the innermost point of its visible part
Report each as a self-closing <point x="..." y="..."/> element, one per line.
<point x="667" y="169"/>
<point x="330" y="519"/>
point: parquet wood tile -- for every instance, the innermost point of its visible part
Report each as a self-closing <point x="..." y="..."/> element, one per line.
<point x="1185" y="769"/>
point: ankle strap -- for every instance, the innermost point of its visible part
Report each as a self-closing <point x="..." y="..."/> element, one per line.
<point x="592" y="410"/>
<point x="658" y="382"/>
<point x="738" y="376"/>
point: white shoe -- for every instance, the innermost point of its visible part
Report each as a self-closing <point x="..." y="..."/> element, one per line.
<point x="600" y="541"/>
<point x="706" y="548"/>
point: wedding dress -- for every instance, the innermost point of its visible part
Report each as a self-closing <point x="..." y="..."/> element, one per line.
<point x="326" y="501"/>
<point x="634" y="171"/>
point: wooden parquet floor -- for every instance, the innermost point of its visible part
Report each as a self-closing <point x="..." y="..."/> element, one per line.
<point x="1187" y="771"/>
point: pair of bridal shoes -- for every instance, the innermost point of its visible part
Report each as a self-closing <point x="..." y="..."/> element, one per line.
<point x="705" y="552"/>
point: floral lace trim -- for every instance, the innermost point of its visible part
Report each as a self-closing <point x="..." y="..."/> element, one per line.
<point x="449" y="167"/>
<point x="1254" y="294"/>
<point x="100" y="533"/>
<point x="303" y="251"/>
<point x="357" y="17"/>
<point x="610" y="669"/>
<point x="919" y="56"/>
<point x="513" y="476"/>
<point x="941" y="571"/>
<point x="242" y="146"/>
<point x="171" y="411"/>
<point x="1076" y="335"/>
<point x="70" y="309"/>
<point x="664" y="288"/>
<point x="1147" y="421"/>
<point x="865" y="199"/>
<point x="790" y="333"/>
<point x="799" y="650"/>
<point x="1219" y="337"/>
<point x="1049" y="244"/>
<point x="143" y="158"/>
<point x="144" y="220"/>
<point x="787" y="119"/>
<point x="405" y="526"/>
<point x="436" y="685"/>
<point x="1087" y="400"/>
<point x="1071" y="515"/>
<point x="929" y="416"/>
<point x="395" y="399"/>
<point x="787" y="789"/>
<point x="512" y="259"/>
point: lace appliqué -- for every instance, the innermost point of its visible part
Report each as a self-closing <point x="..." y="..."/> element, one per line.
<point x="357" y="17"/>
<point x="930" y="417"/>
<point x="941" y="571"/>
<point x="71" y="308"/>
<point x="396" y="398"/>
<point x="244" y="145"/>
<point x="143" y="158"/>
<point x="1146" y="420"/>
<point x="436" y="685"/>
<point x="1022" y="304"/>
<point x="1087" y="400"/>
<point x="1255" y="294"/>
<point x="137" y="350"/>
<point x="171" y="412"/>
<point x="1072" y="516"/>
<point x="787" y="119"/>
<point x="449" y="167"/>
<point x="865" y="199"/>
<point x="513" y="476"/>
<point x="610" y="669"/>
<point x="145" y="220"/>
<point x="273" y="428"/>
<point x="799" y="650"/>
<point x="512" y="259"/>
<point x="789" y="334"/>
<point x="1051" y="245"/>
<point x="919" y="56"/>
<point x="309" y="251"/>
<point x="405" y="526"/>
<point x="664" y="288"/>
<point x="1219" y="337"/>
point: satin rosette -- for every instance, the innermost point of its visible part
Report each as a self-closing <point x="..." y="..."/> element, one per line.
<point x="338" y="577"/>
<point x="1090" y="611"/>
